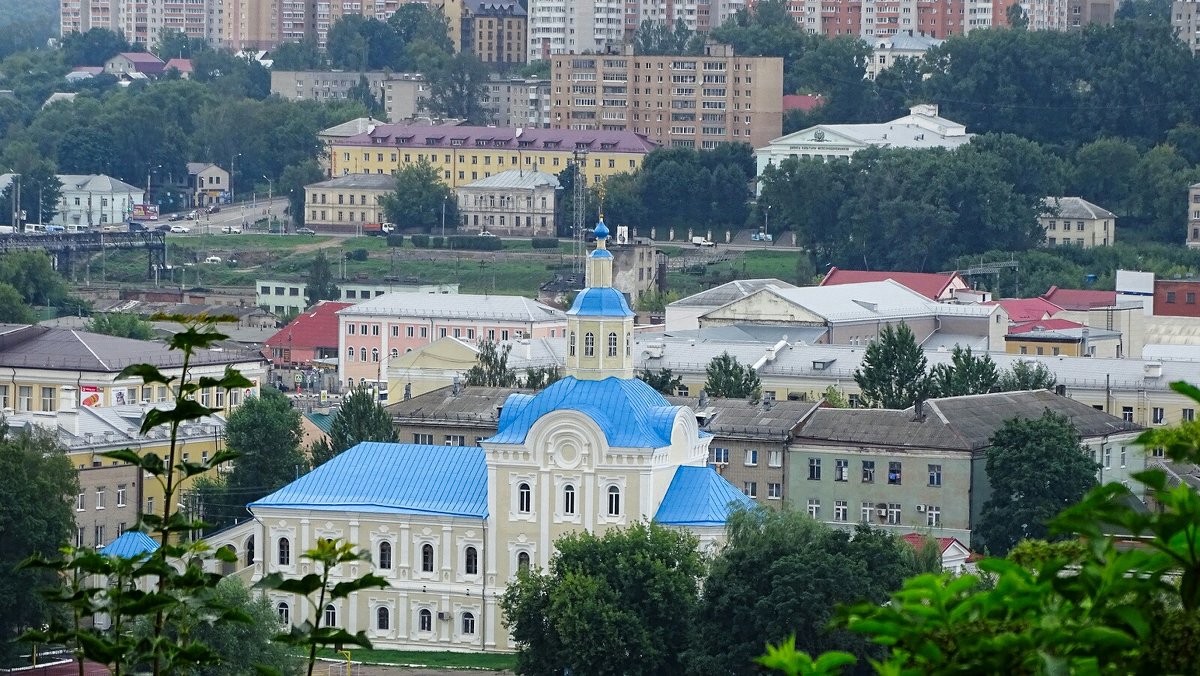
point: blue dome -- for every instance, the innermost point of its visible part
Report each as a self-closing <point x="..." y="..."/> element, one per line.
<point x="600" y="302"/>
<point x="601" y="230"/>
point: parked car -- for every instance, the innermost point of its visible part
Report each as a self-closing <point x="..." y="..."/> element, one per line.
<point x="180" y="228"/>
<point x="175" y="217"/>
<point x="191" y="215"/>
<point x="214" y="209"/>
<point x="761" y="237"/>
<point x="165" y="227"/>
<point x="485" y="233"/>
<point x="305" y="231"/>
<point x="231" y="230"/>
<point x="213" y="259"/>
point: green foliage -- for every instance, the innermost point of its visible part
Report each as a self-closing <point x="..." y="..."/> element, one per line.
<point x="419" y="199"/>
<point x="456" y="88"/>
<point x="545" y="242"/>
<point x="362" y="92"/>
<point x="93" y="47"/>
<point x="327" y="555"/>
<point x="835" y="398"/>
<point x="663" y="380"/>
<point x="320" y="284"/>
<point x="966" y="373"/>
<point x="792" y="662"/>
<point x="120" y="324"/>
<point x="656" y="38"/>
<point x="26" y="25"/>
<point x="361" y="418"/>
<point x="395" y="241"/>
<point x="541" y="377"/>
<point x="1036" y="468"/>
<point x="925" y="557"/>
<point x="475" y="242"/>
<point x="491" y="369"/>
<point x="801" y="570"/>
<point x="359" y="255"/>
<point x="292" y="181"/>
<point x="40" y="187"/>
<point x="893" y="371"/>
<point x="654" y="301"/>
<point x="303" y="55"/>
<point x="729" y="378"/>
<point x="1024" y="376"/>
<point x="420" y="241"/>
<point x="663" y="191"/>
<point x="1033" y="554"/>
<point x="596" y="613"/>
<point x="13" y="309"/>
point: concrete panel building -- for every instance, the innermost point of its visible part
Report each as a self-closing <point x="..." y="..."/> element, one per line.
<point x="575" y="27"/>
<point x="404" y="95"/>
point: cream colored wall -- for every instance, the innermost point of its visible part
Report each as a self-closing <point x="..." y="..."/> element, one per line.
<point x="600" y="365"/>
<point x="760" y="307"/>
<point x="1096" y="231"/>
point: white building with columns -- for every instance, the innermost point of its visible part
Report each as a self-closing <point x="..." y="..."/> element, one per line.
<point x="449" y="526"/>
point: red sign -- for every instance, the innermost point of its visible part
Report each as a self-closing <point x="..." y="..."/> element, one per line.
<point x="89" y="395"/>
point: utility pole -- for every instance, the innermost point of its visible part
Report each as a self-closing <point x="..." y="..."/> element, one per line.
<point x="579" y="158"/>
<point x="270" y="194"/>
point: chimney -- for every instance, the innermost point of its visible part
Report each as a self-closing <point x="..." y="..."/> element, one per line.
<point x="919" y="409"/>
<point x="68" y="413"/>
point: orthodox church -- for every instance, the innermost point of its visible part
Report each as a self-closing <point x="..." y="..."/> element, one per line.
<point x="449" y="527"/>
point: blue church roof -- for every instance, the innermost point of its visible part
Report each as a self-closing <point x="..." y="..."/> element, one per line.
<point x="130" y="545"/>
<point x="601" y="230"/>
<point x="629" y="412"/>
<point x="600" y="302"/>
<point x="393" y="479"/>
<point x="698" y="496"/>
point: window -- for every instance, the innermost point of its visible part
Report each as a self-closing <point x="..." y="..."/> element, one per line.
<point x="1127" y="413"/>
<point x="893" y="513"/>
<point x="285" y="613"/>
<point x="99" y="535"/>
<point x="285" y="552"/>
<point x="1108" y="457"/>
<point x="468" y="624"/>
<point x="589" y="345"/>
<point x="614" y="501"/>
<point x="1170" y="296"/>
<point x="349" y="354"/>
<point x="48" y="399"/>
<point x="1189" y="414"/>
<point x="751" y="459"/>
<point x="524" y="498"/>
<point x="426" y="558"/>
<point x="841" y="470"/>
<point x="933" y="515"/>
<point x="814" y="469"/>
<point x="814" y="508"/>
<point x="568" y="506"/>
<point x="121" y="495"/>
<point x="80" y="502"/>
<point x="935" y="475"/>
<point x="775" y="458"/>
<point x="330" y="616"/>
<point x="523" y="561"/>
<point x="1159" y="415"/>
<point x="721" y="456"/>
<point x="426" y="439"/>
<point x="840" y="510"/>
<point x="864" y="512"/>
<point x="383" y="618"/>
<point x="385" y="555"/>
<point x="150" y="505"/>
<point x="570" y="343"/>
<point x="456" y="440"/>
<point x="100" y="498"/>
<point x="750" y="488"/>
<point x="868" y="473"/>
<point x="79" y="536"/>
<point x="350" y="328"/>
<point x="1124" y="455"/>
<point x="612" y="344"/>
<point x="471" y="561"/>
<point x="375" y="355"/>
<point x="774" y="491"/>
<point x="362" y="354"/>
<point x="425" y="620"/>
<point x="894" y="473"/>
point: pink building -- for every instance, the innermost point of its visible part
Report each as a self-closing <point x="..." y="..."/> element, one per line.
<point x="387" y="326"/>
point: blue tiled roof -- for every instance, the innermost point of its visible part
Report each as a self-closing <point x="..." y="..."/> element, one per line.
<point x="628" y="411"/>
<point x="601" y="230"/>
<point x="393" y="479"/>
<point x="698" y="496"/>
<point x="600" y="302"/>
<point x="130" y="545"/>
<point x="600" y="253"/>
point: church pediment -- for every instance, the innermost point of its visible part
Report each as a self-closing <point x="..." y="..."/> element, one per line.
<point x="818" y="137"/>
<point x="761" y="307"/>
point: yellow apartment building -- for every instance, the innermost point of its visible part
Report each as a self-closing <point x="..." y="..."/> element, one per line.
<point x="463" y="155"/>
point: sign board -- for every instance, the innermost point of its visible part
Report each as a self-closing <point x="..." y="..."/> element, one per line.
<point x="145" y="211"/>
<point x="622" y="234"/>
<point x="299" y="378"/>
<point x="89" y="395"/>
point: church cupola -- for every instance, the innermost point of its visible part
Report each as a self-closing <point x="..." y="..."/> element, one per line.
<point x="600" y="323"/>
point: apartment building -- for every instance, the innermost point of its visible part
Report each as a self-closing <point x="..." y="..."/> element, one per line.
<point x="700" y="16"/>
<point x="493" y="30"/>
<point x="1185" y="18"/>
<point x="287" y="297"/>
<point x="513" y="203"/>
<point x="257" y="24"/>
<point x="687" y="102"/>
<point x="1193" y="216"/>
<point x="575" y="27"/>
<point x="466" y="154"/>
<point x="143" y="21"/>
<point x="1074" y="221"/>
<point x="404" y="95"/>
<point x="517" y="102"/>
<point x="345" y="203"/>
<point x="873" y="19"/>
<point x="93" y="200"/>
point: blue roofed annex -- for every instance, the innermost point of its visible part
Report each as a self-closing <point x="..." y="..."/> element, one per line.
<point x="698" y="496"/>
<point x="629" y="412"/>
<point x="130" y="545"/>
<point x="393" y="478"/>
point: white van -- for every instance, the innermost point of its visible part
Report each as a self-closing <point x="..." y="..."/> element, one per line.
<point x="213" y="259"/>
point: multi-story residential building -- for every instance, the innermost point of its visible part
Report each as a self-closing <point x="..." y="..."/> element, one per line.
<point x="921" y="128"/>
<point x="449" y="526"/>
<point x="1193" y="212"/>
<point x="144" y="21"/>
<point x="207" y="183"/>
<point x="290" y="297"/>
<point x="885" y="51"/>
<point x="338" y="132"/>
<point x="873" y="19"/>
<point x="443" y="362"/>
<point x="345" y="203"/>
<point x="700" y="16"/>
<point x="923" y="470"/>
<point x="456" y="415"/>
<point x="1185" y="18"/>
<point x="575" y="27"/>
<point x="113" y="495"/>
<point x="404" y="95"/>
<point x="93" y="200"/>
<point x="511" y="203"/>
<point x="517" y="102"/>
<point x="1074" y="221"/>
<point x="383" y="328"/>
<point x="257" y="24"/>
<point x="466" y="154"/>
<point x="679" y="101"/>
<point x="493" y="30"/>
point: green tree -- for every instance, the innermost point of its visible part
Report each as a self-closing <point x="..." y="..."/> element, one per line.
<point x="120" y="324"/>
<point x="265" y="431"/>
<point x="364" y="94"/>
<point x="361" y="418"/>
<point x="893" y="373"/>
<point x="40" y="187"/>
<point x="663" y="380"/>
<point x="835" y="398"/>
<point x="541" y="377"/>
<point x="730" y="379"/>
<point x="291" y="183"/>
<point x="93" y="47"/>
<point x="302" y="55"/>
<point x="491" y="369"/>
<point x="419" y="199"/>
<point x="176" y="44"/>
<point x="423" y="30"/>
<point x="320" y="284"/>
<point x="967" y="373"/>
<point x="1026" y="376"/>
<point x="33" y="275"/>
<point x="656" y="38"/>
<point x="38" y="481"/>
<point x="456" y="88"/>
<point x="802" y="570"/>
<point x="13" y="309"/>
<point x="595" y="613"/>
<point x="1036" y="469"/>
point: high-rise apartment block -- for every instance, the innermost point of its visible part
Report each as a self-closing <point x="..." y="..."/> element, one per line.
<point x="883" y="18"/>
<point x="676" y="101"/>
<point x="575" y="27"/>
<point x="1185" y="18"/>
<point x="143" y="21"/>
<point x="699" y="16"/>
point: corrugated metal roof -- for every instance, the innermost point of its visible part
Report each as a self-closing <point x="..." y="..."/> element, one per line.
<point x="130" y="545"/>
<point x="322" y="421"/>
<point x="457" y="306"/>
<point x="516" y="178"/>
<point x="1075" y="207"/>
<point x="740" y="417"/>
<point x="315" y="327"/>
<point x="932" y="285"/>
<point x="698" y="496"/>
<point x="630" y="413"/>
<point x="393" y="479"/>
<point x="600" y="302"/>
<point x="99" y="183"/>
<point x="43" y="347"/>
<point x="364" y="181"/>
<point x="729" y="291"/>
<point x="472" y="405"/>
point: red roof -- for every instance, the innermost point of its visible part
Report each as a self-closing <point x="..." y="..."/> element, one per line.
<point x="915" y="539"/>
<point x="805" y="102"/>
<point x="1022" y="310"/>
<point x="181" y="65"/>
<point x="929" y="284"/>
<point x="1080" y="299"/>
<point x="1045" y="325"/>
<point x="316" y="327"/>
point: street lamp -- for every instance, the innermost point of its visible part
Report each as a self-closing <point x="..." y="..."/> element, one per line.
<point x="270" y="194"/>
<point x="231" y="169"/>
<point x="444" y="215"/>
<point x="766" y="218"/>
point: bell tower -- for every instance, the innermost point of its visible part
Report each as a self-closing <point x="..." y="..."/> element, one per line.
<point x="600" y="323"/>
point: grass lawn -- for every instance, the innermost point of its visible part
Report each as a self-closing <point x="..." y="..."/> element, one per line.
<point x="492" y="661"/>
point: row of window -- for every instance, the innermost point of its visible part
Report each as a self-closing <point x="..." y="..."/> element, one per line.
<point x="567" y="504"/>
<point x="81" y="499"/>
<point x="720" y="456"/>
<point x="383" y="618"/>
<point x="589" y="344"/>
<point x="214" y="396"/>
<point x="384" y="557"/>
<point x="895" y="470"/>
<point x="487" y="160"/>
<point x="423" y="332"/>
<point x="869" y="512"/>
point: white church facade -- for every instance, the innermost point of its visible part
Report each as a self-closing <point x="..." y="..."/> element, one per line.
<point x="449" y="527"/>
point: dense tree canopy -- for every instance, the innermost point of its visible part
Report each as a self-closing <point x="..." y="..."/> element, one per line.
<point x="893" y="373"/>
<point x="122" y="325"/>
<point x="360" y="418"/>
<point x="727" y="377"/>
<point x="421" y="199"/>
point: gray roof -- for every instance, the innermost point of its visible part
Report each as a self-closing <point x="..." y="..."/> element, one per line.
<point x="471" y="407"/>
<point x="458" y="306"/>
<point x="36" y="346"/>
<point x="1075" y="207"/>
<point x="868" y="301"/>
<point x="729" y="292"/>
<point x="956" y="423"/>
<point x="516" y="178"/>
<point x="95" y="183"/>
<point x="197" y="167"/>
<point x="5" y="181"/>
<point x="111" y="427"/>
<point x="502" y="138"/>
<point x="908" y="43"/>
<point x="744" y="419"/>
<point x="367" y="181"/>
<point x="495" y="7"/>
<point x="754" y="333"/>
<point x="358" y="125"/>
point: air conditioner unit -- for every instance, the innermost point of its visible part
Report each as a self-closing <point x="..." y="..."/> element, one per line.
<point x="445" y="616"/>
<point x="920" y="508"/>
<point x="881" y="512"/>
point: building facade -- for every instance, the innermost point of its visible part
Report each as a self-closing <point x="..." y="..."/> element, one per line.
<point x="513" y="203"/>
<point x="1074" y="221"/>
<point x="208" y="184"/>
<point x="495" y="31"/>
<point x="575" y="27"/>
<point x="94" y="200"/>
<point x="886" y="51"/>
<point x="677" y="101"/>
<point x="345" y="203"/>
<point x="466" y="154"/>
<point x="290" y="297"/>
<point x="143" y="21"/>
<point x="1193" y="211"/>
<point x="253" y="24"/>
<point x="405" y="96"/>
